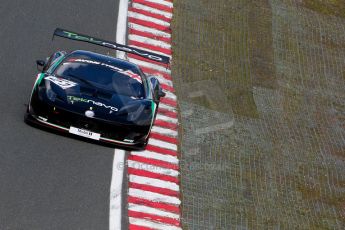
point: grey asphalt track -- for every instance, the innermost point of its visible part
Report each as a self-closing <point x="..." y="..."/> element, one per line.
<point x="48" y="181"/>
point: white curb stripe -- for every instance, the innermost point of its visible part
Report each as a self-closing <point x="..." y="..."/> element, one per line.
<point x="164" y="131"/>
<point x="149" y="41"/>
<point x="154" y="182"/>
<point x="165" y="3"/>
<point x="156" y="156"/>
<point x="152" y="168"/>
<point x="165" y="106"/>
<point x="154" y="211"/>
<point x="165" y="118"/>
<point x="150" y="224"/>
<point x="171" y="109"/>
<point x="170" y="95"/>
<point x="162" y="144"/>
<point x="149" y="30"/>
<point x="162" y="79"/>
<point x="150" y="65"/>
<point x="148" y="18"/>
<point x="152" y="10"/>
<point x="152" y="196"/>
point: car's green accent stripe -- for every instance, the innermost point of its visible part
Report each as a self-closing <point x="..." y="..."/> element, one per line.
<point x="37" y="82"/>
<point x="39" y="79"/>
<point x="153" y="107"/>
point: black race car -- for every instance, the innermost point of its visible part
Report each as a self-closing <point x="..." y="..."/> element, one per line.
<point x="96" y="96"/>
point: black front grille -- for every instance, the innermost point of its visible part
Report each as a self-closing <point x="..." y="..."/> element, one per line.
<point x="67" y="119"/>
<point x="106" y="129"/>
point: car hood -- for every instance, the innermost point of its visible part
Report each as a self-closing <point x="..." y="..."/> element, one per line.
<point x="95" y="103"/>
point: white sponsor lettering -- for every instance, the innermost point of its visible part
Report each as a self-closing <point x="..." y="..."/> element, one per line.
<point x="63" y="83"/>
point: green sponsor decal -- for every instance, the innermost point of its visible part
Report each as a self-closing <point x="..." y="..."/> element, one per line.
<point x="73" y="99"/>
<point x="79" y="37"/>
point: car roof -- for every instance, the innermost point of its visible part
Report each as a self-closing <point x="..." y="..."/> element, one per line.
<point x="106" y="59"/>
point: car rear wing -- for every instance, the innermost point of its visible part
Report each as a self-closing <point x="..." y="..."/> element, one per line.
<point x="112" y="45"/>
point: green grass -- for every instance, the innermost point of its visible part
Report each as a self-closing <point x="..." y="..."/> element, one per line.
<point x="328" y="7"/>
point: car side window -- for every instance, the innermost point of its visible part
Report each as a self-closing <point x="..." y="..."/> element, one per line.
<point x="51" y="60"/>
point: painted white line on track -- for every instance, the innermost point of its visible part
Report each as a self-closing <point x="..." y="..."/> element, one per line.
<point x="115" y="211"/>
<point x="153" y="196"/>
<point x="151" y="10"/>
<point x="152" y="224"/>
<point x="157" y="156"/>
<point x="162" y="144"/>
<point x="116" y="190"/>
<point x="149" y="41"/>
<point x="121" y="29"/>
<point x="149" y="30"/>
<point x="148" y="18"/>
<point x="164" y="131"/>
<point x="152" y="168"/>
<point x="154" y="211"/>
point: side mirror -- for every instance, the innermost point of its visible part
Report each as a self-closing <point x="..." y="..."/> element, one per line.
<point x="161" y="93"/>
<point x="40" y="65"/>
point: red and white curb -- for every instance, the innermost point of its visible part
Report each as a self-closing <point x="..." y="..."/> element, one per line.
<point x="153" y="174"/>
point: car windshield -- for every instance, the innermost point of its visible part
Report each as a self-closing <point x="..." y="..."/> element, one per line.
<point x="102" y="75"/>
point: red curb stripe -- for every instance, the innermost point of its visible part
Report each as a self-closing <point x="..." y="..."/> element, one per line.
<point x="138" y="227"/>
<point x="165" y="124"/>
<point x="162" y="137"/>
<point x="146" y="60"/>
<point x="167" y="112"/>
<point x="154" y="5"/>
<point x="160" y="150"/>
<point x="150" y="14"/>
<point x="151" y="71"/>
<point x="149" y="188"/>
<point x="168" y="101"/>
<point x="157" y="218"/>
<point x="140" y="172"/>
<point x="168" y="88"/>
<point x="149" y="35"/>
<point x="153" y="162"/>
<point x="149" y="47"/>
<point x="149" y="24"/>
<point x="152" y="204"/>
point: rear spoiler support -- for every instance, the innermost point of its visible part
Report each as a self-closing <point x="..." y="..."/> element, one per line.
<point x="112" y="45"/>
